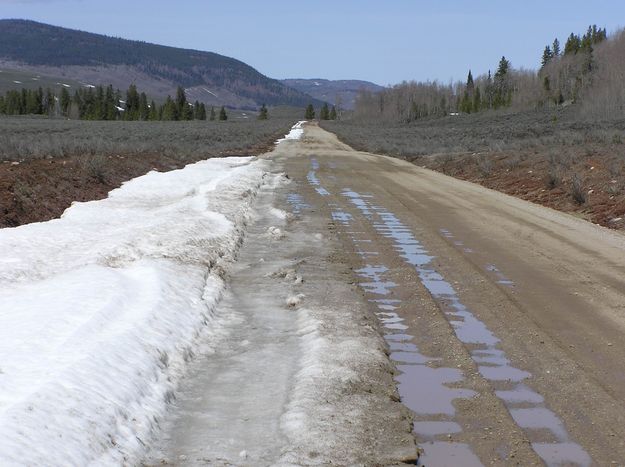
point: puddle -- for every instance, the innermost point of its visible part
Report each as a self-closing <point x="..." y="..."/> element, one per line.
<point x="297" y="202"/>
<point x="431" y="429"/>
<point x="520" y="395"/>
<point x="425" y="390"/>
<point x="313" y="180"/>
<point x="322" y="191"/>
<point x="343" y="217"/>
<point x="448" y="454"/>
<point x="409" y="357"/>
<point x="562" y="454"/>
<point x="422" y="389"/>
<point x="539" y="418"/>
<point x="503" y="373"/>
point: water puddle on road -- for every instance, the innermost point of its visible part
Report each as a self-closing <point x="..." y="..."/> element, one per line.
<point x="297" y="203"/>
<point x="313" y="180"/>
<point x="425" y="388"/>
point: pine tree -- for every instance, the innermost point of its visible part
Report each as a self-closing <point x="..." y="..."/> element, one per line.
<point x="144" y="109"/>
<point x="547" y="56"/>
<point x="199" y="111"/>
<point x="333" y="113"/>
<point x="153" y="115"/>
<point x="573" y="44"/>
<point x="132" y="103"/>
<point x="223" y="116"/>
<point x="310" y="112"/>
<point x="181" y="103"/>
<point x="212" y="114"/>
<point x="169" y="110"/>
<point x="489" y="92"/>
<point x="65" y="100"/>
<point x="49" y="102"/>
<point x="324" y="113"/>
<point x="555" y="49"/>
<point x="263" y="113"/>
<point x="502" y="91"/>
<point x="477" y="100"/>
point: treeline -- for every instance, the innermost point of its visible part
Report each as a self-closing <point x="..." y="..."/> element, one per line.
<point x="325" y="113"/>
<point x="105" y="103"/>
<point x="589" y="69"/>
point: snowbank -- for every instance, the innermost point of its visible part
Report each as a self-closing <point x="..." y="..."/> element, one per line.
<point x="296" y="132"/>
<point x="100" y="309"/>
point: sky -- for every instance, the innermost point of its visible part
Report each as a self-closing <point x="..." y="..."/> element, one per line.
<point x="385" y="42"/>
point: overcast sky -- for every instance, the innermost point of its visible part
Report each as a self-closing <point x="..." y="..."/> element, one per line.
<point x="381" y="41"/>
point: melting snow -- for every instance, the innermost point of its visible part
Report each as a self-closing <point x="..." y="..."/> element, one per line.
<point x="296" y="132"/>
<point x="100" y="309"/>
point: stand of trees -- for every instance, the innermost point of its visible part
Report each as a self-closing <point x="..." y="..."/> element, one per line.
<point x="325" y="113"/>
<point x="582" y="71"/>
<point x="102" y="103"/>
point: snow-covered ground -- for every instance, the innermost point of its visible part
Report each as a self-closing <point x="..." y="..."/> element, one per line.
<point x="100" y="309"/>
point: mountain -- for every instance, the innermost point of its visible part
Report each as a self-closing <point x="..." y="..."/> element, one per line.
<point x="90" y="59"/>
<point x="329" y="90"/>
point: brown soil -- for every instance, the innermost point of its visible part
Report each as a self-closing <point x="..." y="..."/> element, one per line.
<point x="525" y="174"/>
<point x="40" y="190"/>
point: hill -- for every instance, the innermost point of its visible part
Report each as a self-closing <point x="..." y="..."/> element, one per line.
<point x="45" y="50"/>
<point x="331" y="90"/>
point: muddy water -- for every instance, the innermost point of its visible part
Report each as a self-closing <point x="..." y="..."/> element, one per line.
<point x="424" y="386"/>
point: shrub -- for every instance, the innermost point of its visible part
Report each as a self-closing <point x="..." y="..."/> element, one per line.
<point x="578" y="192"/>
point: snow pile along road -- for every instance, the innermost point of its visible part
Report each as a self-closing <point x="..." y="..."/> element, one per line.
<point x="100" y="309"/>
<point x="296" y="132"/>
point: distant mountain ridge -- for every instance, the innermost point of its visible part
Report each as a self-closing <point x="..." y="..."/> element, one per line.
<point x="156" y="69"/>
<point x="331" y="90"/>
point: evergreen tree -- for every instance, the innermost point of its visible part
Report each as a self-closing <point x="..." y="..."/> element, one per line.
<point x="212" y="114"/>
<point x="223" y="116"/>
<point x="477" y="100"/>
<point x="324" y="113"/>
<point x="263" y="113"/>
<point x="169" y="110"/>
<point x="201" y="113"/>
<point x="49" y="102"/>
<point x="133" y="102"/>
<point x="153" y="115"/>
<point x="489" y="92"/>
<point x="181" y="104"/>
<point x="144" y="109"/>
<point x="65" y="100"/>
<point x="502" y="89"/>
<point x="310" y="112"/>
<point x="333" y="113"/>
<point x="555" y="49"/>
<point x="547" y="56"/>
<point x="573" y="44"/>
<point x="466" y="104"/>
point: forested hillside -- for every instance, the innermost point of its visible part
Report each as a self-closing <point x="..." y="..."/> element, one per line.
<point x="97" y="59"/>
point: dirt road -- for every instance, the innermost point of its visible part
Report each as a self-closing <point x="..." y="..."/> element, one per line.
<point x="506" y="320"/>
